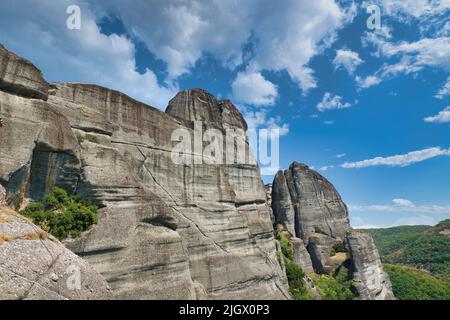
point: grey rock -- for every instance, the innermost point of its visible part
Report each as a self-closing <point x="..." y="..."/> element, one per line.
<point x="372" y="282"/>
<point x="21" y="77"/>
<point x="307" y="202"/>
<point x="199" y="105"/>
<point x="2" y="196"/>
<point x="319" y="248"/>
<point x="34" y="265"/>
<point x="165" y="231"/>
<point x="301" y="255"/>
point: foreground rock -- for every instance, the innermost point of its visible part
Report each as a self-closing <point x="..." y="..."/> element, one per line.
<point x="34" y="265"/>
<point x="166" y="230"/>
<point x="313" y="212"/>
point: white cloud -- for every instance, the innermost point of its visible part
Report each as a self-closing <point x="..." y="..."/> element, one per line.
<point x="328" y="122"/>
<point x="367" y="82"/>
<point x="402" y="206"/>
<point x="326" y="168"/>
<point x="415" y="8"/>
<point x="400" y="160"/>
<point x="37" y="31"/>
<point x="330" y="102"/>
<point x="260" y="120"/>
<point x="180" y="32"/>
<point x="444" y="91"/>
<point x="341" y="155"/>
<point x="412" y="57"/>
<point x="441" y="117"/>
<point x="347" y="59"/>
<point x="253" y="89"/>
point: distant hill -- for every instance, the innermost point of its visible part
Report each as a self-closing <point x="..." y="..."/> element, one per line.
<point x="412" y="284"/>
<point x="423" y="247"/>
<point x="417" y="259"/>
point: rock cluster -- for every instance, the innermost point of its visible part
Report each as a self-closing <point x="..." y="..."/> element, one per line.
<point x="313" y="212"/>
<point x="165" y="230"/>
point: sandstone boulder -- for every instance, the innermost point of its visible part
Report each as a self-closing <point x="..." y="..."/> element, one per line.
<point x="34" y="265"/>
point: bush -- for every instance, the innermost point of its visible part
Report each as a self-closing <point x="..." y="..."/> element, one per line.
<point x="338" y="247"/>
<point x="62" y="215"/>
<point x="412" y="284"/>
<point x="335" y="288"/>
<point x="87" y="137"/>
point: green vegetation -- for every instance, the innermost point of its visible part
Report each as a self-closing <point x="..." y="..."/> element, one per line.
<point x="337" y="286"/>
<point x="422" y="247"/>
<point x="412" y="284"/>
<point x="87" y="137"/>
<point x="295" y="275"/>
<point x="62" y="215"/>
<point x="417" y="260"/>
<point x="338" y="247"/>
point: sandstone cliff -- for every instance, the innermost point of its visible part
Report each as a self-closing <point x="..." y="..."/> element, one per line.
<point x="165" y="230"/>
<point x="313" y="212"/>
<point x="34" y="265"/>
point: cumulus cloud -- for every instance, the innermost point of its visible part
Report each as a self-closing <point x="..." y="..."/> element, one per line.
<point x="415" y="8"/>
<point x="37" y="31"/>
<point x="411" y="57"/>
<point x="403" y="160"/>
<point x="403" y="202"/>
<point x="367" y="82"/>
<point x="444" y="91"/>
<point x="330" y="102"/>
<point x="347" y="59"/>
<point x="252" y="88"/>
<point x="181" y="32"/>
<point x="441" y="117"/>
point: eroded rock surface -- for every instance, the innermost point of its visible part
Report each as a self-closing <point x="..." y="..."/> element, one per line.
<point x="21" y="77"/>
<point x="372" y="282"/>
<point x="165" y="230"/>
<point x="313" y="212"/>
<point x="34" y="265"/>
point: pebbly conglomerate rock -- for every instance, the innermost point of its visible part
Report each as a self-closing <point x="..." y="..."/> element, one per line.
<point x="313" y="212"/>
<point x="166" y="230"/>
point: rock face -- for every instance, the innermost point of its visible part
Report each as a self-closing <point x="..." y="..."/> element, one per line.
<point x="2" y="196"/>
<point x="20" y="76"/>
<point x="34" y="265"/>
<point x="307" y="203"/>
<point x="313" y="212"/>
<point x="372" y="282"/>
<point x="166" y="230"/>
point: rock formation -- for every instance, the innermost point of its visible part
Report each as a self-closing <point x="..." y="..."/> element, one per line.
<point x="165" y="230"/>
<point x="34" y="265"/>
<point x="372" y="282"/>
<point x="313" y="212"/>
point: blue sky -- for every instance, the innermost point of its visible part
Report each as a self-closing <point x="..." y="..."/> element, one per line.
<point x="369" y="109"/>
